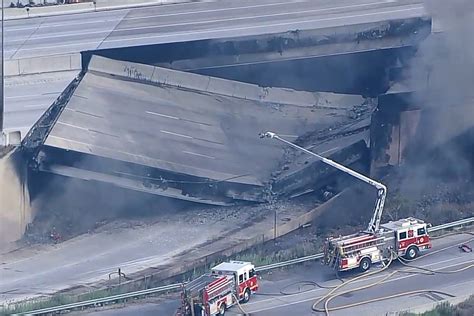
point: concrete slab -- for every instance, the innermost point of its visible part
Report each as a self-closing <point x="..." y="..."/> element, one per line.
<point x="157" y="124"/>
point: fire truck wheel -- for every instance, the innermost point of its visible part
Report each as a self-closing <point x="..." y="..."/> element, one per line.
<point x="411" y="253"/>
<point x="246" y="296"/>
<point x="222" y="309"/>
<point x="365" y="264"/>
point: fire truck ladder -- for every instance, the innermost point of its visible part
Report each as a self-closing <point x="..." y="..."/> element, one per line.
<point x="381" y="189"/>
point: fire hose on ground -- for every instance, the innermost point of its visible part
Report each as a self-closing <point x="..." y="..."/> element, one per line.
<point x="329" y="297"/>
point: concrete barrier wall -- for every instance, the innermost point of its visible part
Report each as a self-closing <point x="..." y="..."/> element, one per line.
<point x="165" y="76"/>
<point x="28" y="66"/>
<point x="114" y="3"/>
<point x="21" y="13"/>
<point x="15" y="210"/>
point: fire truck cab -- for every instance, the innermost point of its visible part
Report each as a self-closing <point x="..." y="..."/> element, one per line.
<point x="213" y="293"/>
<point x="244" y="275"/>
<point x="410" y="236"/>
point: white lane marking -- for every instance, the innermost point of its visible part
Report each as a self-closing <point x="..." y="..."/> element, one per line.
<point x="73" y="126"/>
<point x="329" y="150"/>
<point x="176" y="118"/>
<point x="109" y="149"/>
<point x="269" y="25"/>
<point x="189" y="23"/>
<point x="162" y="115"/>
<point x="12" y="109"/>
<point x="34" y="106"/>
<point x="315" y="298"/>
<point x="220" y="30"/>
<point x="163" y="131"/>
<point x="200" y="155"/>
<point x="153" y="16"/>
<point x="23" y="96"/>
<point x="176" y="134"/>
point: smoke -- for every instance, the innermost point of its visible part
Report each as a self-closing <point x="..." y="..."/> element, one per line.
<point x="445" y="61"/>
<point x="439" y="159"/>
<point x="443" y="74"/>
<point x="71" y="206"/>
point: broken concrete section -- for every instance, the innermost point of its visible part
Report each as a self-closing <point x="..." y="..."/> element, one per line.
<point x="403" y="127"/>
<point x="15" y="210"/>
<point x="181" y="135"/>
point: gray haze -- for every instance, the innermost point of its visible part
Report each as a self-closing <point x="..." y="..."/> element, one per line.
<point x="440" y="157"/>
<point x="447" y="58"/>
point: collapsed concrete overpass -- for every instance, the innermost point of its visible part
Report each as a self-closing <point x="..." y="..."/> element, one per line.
<point x="343" y="46"/>
<point x="182" y="135"/>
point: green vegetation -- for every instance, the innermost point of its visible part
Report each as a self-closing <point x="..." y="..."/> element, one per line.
<point x="465" y="308"/>
<point x="261" y="256"/>
<point x="264" y="254"/>
<point x="55" y="300"/>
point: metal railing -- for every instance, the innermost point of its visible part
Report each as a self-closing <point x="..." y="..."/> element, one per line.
<point x="289" y="262"/>
<point x="173" y="287"/>
<point x="108" y="299"/>
<point x="462" y="222"/>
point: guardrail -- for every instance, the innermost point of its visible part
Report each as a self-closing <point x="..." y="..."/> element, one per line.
<point x="104" y="300"/>
<point x="289" y="262"/>
<point x="176" y="286"/>
<point x="462" y="222"/>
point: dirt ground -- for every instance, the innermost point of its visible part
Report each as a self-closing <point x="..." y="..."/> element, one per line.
<point x="57" y="225"/>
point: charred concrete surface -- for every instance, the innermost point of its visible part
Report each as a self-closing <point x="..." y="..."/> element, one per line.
<point x="346" y="143"/>
<point x="404" y="127"/>
<point x="180" y="135"/>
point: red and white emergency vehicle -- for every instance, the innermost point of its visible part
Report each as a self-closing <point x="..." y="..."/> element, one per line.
<point x="405" y="237"/>
<point x="213" y="293"/>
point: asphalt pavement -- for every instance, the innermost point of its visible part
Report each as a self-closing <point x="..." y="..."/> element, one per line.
<point x="191" y="21"/>
<point x="27" y="97"/>
<point x="292" y="291"/>
<point x="300" y="303"/>
<point x="73" y="33"/>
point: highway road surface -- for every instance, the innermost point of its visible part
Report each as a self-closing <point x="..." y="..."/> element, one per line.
<point x="27" y="97"/>
<point x="73" y="33"/>
<point x="191" y="21"/>
<point x="292" y="292"/>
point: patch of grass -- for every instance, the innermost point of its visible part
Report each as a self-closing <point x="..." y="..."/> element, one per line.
<point x="56" y="300"/>
<point x="262" y="256"/>
<point x="267" y="253"/>
<point x="465" y="308"/>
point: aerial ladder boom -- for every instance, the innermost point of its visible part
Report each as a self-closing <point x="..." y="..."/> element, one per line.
<point x="381" y="189"/>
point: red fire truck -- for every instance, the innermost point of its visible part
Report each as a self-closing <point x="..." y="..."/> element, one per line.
<point x="405" y="237"/>
<point x="213" y="293"/>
